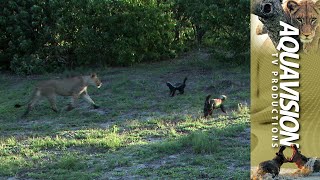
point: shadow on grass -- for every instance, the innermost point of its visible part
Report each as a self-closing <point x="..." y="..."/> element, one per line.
<point x="220" y="151"/>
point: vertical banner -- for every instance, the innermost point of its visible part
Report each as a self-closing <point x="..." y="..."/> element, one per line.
<point x="285" y="89"/>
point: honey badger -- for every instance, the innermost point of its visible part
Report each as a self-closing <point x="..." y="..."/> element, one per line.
<point x="273" y="166"/>
<point x="211" y="104"/>
<point x="301" y="160"/>
<point x="177" y="87"/>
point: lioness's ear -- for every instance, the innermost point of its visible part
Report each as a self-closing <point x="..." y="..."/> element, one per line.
<point x="93" y="75"/>
<point x="292" y="6"/>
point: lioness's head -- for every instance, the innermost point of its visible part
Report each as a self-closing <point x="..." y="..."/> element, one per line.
<point x="304" y="15"/>
<point x="94" y="80"/>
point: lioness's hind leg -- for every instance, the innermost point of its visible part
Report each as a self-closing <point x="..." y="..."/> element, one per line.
<point x="52" y="100"/>
<point x="33" y="102"/>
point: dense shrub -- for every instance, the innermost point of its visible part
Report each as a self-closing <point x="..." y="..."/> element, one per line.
<point x="38" y="36"/>
<point x="221" y="25"/>
<point x="121" y="36"/>
<point x="27" y="35"/>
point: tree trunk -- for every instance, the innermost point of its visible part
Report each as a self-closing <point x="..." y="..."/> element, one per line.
<point x="199" y="32"/>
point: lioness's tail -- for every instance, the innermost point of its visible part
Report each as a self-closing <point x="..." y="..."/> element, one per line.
<point x="17" y="105"/>
<point x="33" y="95"/>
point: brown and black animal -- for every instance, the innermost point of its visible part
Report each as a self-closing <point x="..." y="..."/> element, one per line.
<point x="272" y="166"/>
<point x="301" y="160"/>
<point x="212" y="104"/>
<point x="177" y="87"/>
<point x="73" y="87"/>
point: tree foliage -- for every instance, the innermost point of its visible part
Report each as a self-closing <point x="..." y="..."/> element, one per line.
<point x="38" y="36"/>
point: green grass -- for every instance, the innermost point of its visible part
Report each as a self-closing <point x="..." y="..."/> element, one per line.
<point x="138" y="133"/>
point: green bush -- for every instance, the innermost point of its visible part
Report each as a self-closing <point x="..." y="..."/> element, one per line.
<point x="38" y="36"/>
<point x="28" y="43"/>
<point x="136" y="34"/>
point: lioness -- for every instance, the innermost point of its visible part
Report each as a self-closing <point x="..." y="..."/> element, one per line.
<point x="305" y="15"/>
<point x="73" y="87"/>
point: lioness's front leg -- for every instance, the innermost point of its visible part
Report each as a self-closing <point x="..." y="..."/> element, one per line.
<point x="89" y="100"/>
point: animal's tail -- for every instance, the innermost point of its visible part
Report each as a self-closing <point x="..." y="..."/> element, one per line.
<point x="185" y="79"/>
<point x="33" y="94"/>
<point x="171" y="87"/>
